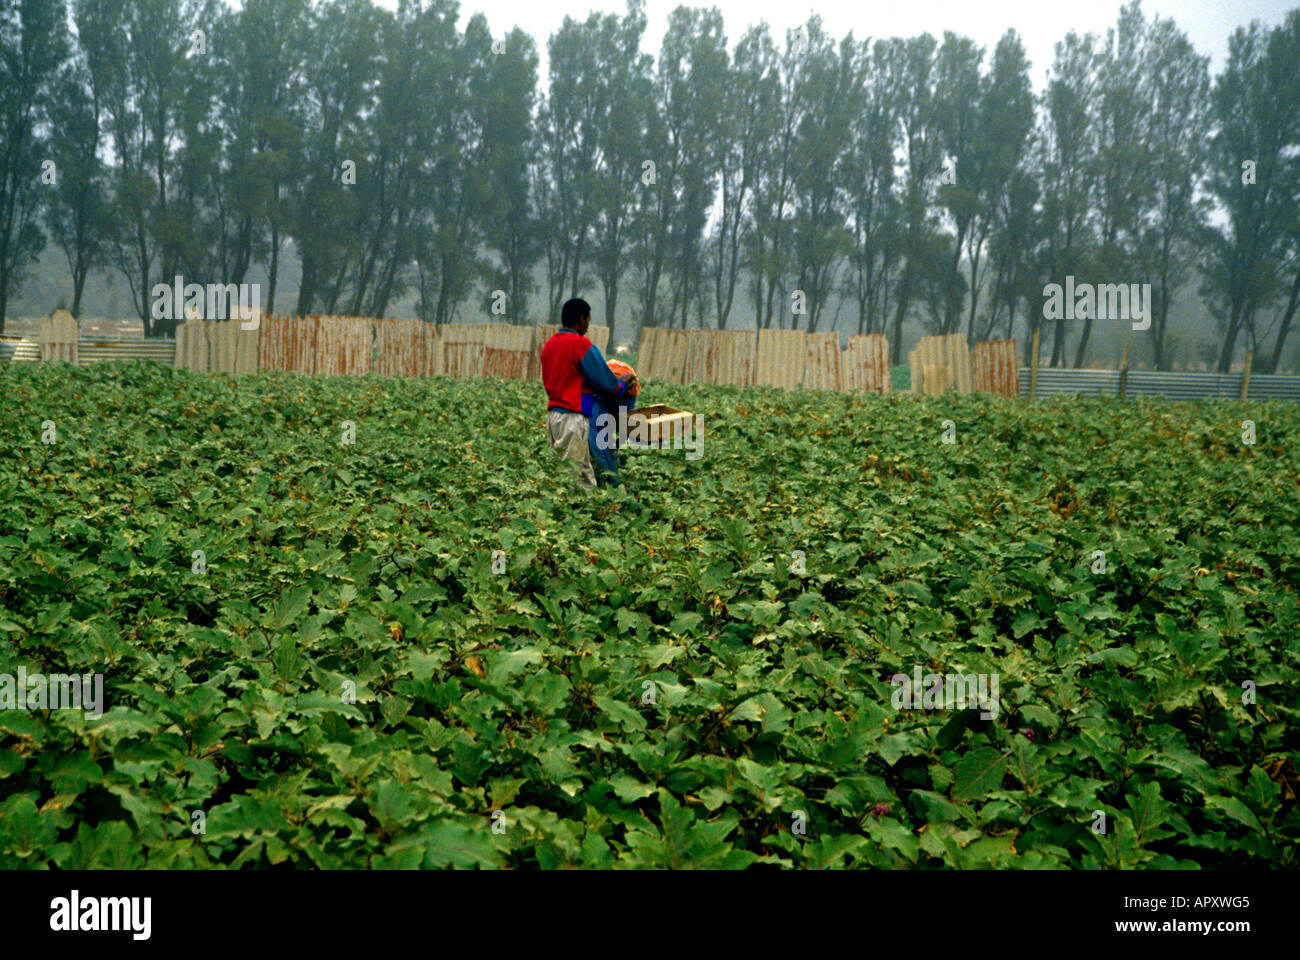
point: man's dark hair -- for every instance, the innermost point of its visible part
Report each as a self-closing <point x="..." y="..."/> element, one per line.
<point x="573" y="311"/>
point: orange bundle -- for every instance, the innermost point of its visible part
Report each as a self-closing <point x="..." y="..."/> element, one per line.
<point x="621" y="369"/>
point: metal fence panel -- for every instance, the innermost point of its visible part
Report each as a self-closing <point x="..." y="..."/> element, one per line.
<point x="403" y="348"/>
<point x="782" y="356"/>
<point x="822" y="370"/>
<point x="92" y="351"/>
<point x="740" y="357"/>
<point x="20" y="349"/>
<point x="1173" y="385"/>
<point x="507" y="350"/>
<point x="865" y="364"/>
<point x="997" y="367"/>
<point x="345" y="345"/>
<point x="941" y="363"/>
<point x="288" y="343"/>
<point x="647" y="353"/>
<point x="462" y="345"/>
<point x="598" y="333"/>
<point x="191" y="346"/>
<point x="663" y="354"/>
<point x="541" y="333"/>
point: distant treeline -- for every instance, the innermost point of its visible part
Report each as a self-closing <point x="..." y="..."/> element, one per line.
<point x="919" y="179"/>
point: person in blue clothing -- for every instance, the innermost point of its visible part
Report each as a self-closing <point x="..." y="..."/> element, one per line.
<point x="575" y="373"/>
<point x="608" y="415"/>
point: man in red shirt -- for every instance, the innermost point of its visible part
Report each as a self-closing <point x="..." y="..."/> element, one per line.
<point x="573" y="372"/>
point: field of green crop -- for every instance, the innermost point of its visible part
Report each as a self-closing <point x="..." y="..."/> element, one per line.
<point x="340" y="678"/>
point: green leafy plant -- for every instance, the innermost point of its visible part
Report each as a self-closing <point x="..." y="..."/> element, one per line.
<point x="651" y="681"/>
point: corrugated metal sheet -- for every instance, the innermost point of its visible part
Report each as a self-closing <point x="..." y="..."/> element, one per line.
<point x="675" y="347"/>
<point x="941" y="363"/>
<point x="218" y="346"/>
<point x="1174" y="385"/>
<point x="865" y="364"/>
<point x="663" y="354"/>
<point x="20" y="349"/>
<point x="288" y="343"/>
<point x="647" y="353"/>
<point x="231" y="348"/>
<point x="997" y="366"/>
<point x="92" y="351"/>
<point x="191" y="346"/>
<point x="740" y="357"/>
<point x="541" y="333"/>
<point x="782" y="356"/>
<point x="345" y="345"/>
<point x="822" y="371"/>
<point x="462" y="346"/>
<point x="701" y="356"/>
<point x="507" y="350"/>
<point x="248" y="345"/>
<point x="403" y="348"/>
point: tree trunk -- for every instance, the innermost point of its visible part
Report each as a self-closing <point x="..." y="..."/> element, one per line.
<point x="1083" y="343"/>
<point x="1230" y="341"/>
<point x="306" y="288"/>
<point x="1292" y="303"/>
<point x="274" y="271"/>
<point x="904" y="301"/>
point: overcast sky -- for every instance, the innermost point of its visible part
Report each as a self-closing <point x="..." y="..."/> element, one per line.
<point x="1041" y="23"/>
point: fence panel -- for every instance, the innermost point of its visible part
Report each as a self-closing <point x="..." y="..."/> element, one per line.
<point x="221" y="346"/>
<point x="507" y="350"/>
<point x="20" y="349"/>
<point x="288" y="343"/>
<point x="822" y="370"/>
<point x="191" y="346"/>
<point x="701" y="362"/>
<point x="92" y="351"/>
<point x="997" y="367"/>
<point x="59" y="337"/>
<point x="675" y="349"/>
<point x="541" y="333"/>
<point x="740" y="357"/>
<point x="647" y="353"/>
<point x="1172" y="385"/>
<point x="462" y="345"/>
<point x="959" y="362"/>
<point x="230" y="348"/>
<point x="246" y="347"/>
<point x="345" y="345"/>
<point x="940" y="363"/>
<point x="403" y="347"/>
<point x="662" y="354"/>
<point x="598" y="333"/>
<point x="782" y="356"/>
<point x="865" y="364"/>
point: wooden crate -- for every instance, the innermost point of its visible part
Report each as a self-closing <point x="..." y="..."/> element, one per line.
<point x="659" y="424"/>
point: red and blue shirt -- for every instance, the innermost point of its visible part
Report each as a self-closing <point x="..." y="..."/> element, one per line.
<point x="573" y="371"/>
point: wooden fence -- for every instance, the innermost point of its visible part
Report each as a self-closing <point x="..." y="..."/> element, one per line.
<point x="334" y="345"/>
<point x="770" y="358"/>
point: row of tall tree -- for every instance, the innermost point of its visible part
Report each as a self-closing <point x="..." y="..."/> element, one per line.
<point x="395" y="152"/>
